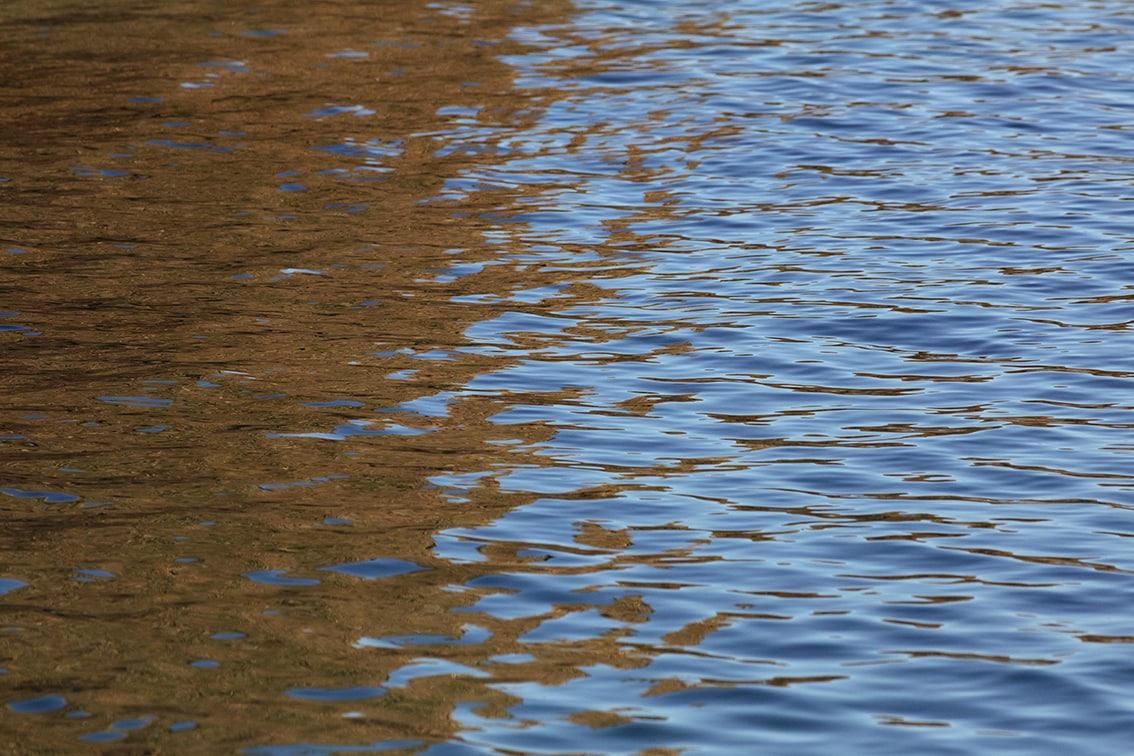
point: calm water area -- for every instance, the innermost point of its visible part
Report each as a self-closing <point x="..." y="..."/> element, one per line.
<point x="549" y="377"/>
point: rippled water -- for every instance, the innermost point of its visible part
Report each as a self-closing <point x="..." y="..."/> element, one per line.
<point x="615" y="378"/>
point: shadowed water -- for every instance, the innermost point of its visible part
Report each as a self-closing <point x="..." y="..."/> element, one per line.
<point x="613" y="378"/>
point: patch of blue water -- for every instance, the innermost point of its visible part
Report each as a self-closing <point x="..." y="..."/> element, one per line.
<point x="851" y="392"/>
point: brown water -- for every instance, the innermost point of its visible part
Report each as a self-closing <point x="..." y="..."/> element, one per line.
<point x="551" y="378"/>
<point x="163" y="339"/>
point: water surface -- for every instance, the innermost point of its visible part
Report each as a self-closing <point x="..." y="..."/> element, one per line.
<point x="567" y="378"/>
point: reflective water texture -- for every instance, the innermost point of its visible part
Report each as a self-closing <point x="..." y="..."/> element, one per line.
<point x="534" y="377"/>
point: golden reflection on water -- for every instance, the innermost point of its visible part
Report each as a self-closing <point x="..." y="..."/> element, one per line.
<point x="188" y="309"/>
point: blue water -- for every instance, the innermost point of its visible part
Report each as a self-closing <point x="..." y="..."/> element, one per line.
<point x="787" y="410"/>
<point x="853" y="389"/>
